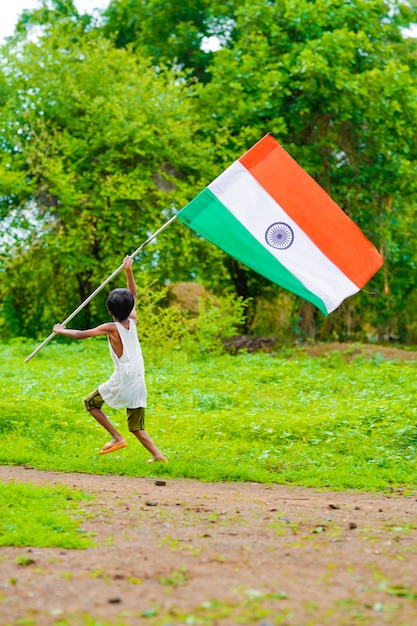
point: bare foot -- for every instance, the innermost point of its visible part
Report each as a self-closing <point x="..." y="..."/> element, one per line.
<point x="158" y="459"/>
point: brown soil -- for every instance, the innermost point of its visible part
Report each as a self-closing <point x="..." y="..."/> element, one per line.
<point x="188" y="552"/>
<point x="347" y="350"/>
<point x="352" y="350"/>
<point x="329" y="557"/>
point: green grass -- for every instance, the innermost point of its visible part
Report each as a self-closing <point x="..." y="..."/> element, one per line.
<point x="320" y="422"/>
<point x="40" y="516"/>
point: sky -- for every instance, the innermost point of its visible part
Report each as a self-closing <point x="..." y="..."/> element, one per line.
<point x="11" y="9"/>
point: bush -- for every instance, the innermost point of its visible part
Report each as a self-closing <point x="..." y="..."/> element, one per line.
<point x="166" y="328"/>
<point x="159" y="327"/>
<point x="218" y="320"/>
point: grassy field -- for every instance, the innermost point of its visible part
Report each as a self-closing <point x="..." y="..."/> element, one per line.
<point x="287" y="418"/>
<point x="41" y="516"/>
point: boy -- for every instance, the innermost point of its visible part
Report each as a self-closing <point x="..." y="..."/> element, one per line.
<point x="126" y="387"/>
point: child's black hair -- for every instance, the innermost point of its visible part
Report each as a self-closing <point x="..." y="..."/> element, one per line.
<point x="120" y="303"/>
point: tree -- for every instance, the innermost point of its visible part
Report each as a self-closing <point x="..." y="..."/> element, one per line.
<point x="107" y="150"/>
<point x="335" y="82"/>
<point x="108" y="137"/>
<point x="169" y="32"/>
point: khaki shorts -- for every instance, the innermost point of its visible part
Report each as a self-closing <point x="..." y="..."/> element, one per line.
<point x="135" y="417"/>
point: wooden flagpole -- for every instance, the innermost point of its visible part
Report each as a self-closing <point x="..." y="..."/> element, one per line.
<point x="100" y="287"/>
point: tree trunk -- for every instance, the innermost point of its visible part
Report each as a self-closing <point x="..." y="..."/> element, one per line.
<point x="240" y="281"/>
<point x="307" y="313"/>
<point x="84" y="290"/>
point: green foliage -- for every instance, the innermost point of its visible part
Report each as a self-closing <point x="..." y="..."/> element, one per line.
<point x="160" y="327"/>
<point x="112" y="126"/>
<point x="46" y="517"/>
<point x="337" y="87"/>
<point x="218" y="319"/>
<point x="101" y="175"/>
<point x="164" y="329"/>
<point x="253" y="417"/>
<point x="170" y="33"/>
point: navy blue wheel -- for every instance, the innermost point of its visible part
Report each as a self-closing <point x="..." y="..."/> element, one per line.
<point x="279" y="235"/>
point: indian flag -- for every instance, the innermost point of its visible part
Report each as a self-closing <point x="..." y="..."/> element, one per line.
<point x="269" y="214"/>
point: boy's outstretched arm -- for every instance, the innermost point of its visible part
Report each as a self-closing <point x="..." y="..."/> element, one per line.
<point x="131" y="285"/>
<point x="103" y="329"/>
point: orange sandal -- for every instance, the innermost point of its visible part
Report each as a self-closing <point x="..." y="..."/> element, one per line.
<point x="113" y="446"/>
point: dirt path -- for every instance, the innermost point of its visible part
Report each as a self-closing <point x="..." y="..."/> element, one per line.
<point x="187" y="552"/>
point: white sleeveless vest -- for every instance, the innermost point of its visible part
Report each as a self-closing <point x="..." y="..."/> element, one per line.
<point x="126" y="387"/>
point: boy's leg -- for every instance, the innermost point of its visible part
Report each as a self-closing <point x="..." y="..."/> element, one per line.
<point x="136" y="424"/>
<point x="147" y="442"/>
<point x="93" y="403"/>
<point x="104" y="421"/>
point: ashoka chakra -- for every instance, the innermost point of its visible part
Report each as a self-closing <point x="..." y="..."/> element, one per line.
<point x="279" y="235"/>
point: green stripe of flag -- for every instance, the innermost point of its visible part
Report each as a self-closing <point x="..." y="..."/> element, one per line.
<point x="206" y="215"/>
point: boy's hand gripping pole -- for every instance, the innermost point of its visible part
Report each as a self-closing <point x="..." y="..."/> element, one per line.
<point x="100" y="287"/>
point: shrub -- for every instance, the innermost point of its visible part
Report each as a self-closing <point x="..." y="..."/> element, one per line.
<point x="218" y="319"/>
<point x="166" y="328"/>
